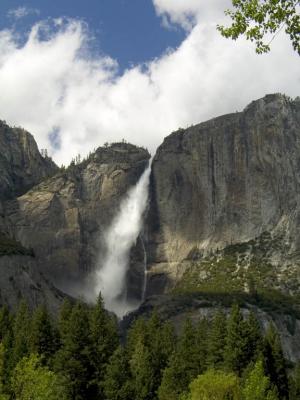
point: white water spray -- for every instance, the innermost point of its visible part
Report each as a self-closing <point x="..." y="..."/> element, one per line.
<point x="110" y="277"/>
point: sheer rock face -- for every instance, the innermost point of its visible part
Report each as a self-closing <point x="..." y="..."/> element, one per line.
<point x="21" y="279"/>
<point x="64" y="218"/>
<point x="226" y="181"/>
<point x="21" y="164"/>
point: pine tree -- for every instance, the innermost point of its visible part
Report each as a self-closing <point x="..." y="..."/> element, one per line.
<point x="3" y="373"/>
<point x="5" y="323"/>
<point x="202" y="333"/>
<point x="42" y="337"/>
<point x="253" y="337"/>
<point x="160" y="341"/>
<point x="275" y="364"/>
<point x="6" y="340"/>
<point x="141" y="372"/>
<point x="117" y="380"/>
<point x="174" y="380"/>
<point x="64" y="318"/>
<point x="21" y="333"/>
<point x="294" y="384"/>
<point x="217" y="341"/>
<point x="184" y="365"/>
<point x="235" y="355"/>
<point x="104" y="341"/>
<point x="186" y="350"/>
<point x="73" y="358"/>
<point x="137" y="330"/>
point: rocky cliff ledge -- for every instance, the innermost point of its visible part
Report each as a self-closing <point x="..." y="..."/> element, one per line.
<point x="62" y="219"/>
<point x="21" y="164"/>
<point x="233" y="180"/>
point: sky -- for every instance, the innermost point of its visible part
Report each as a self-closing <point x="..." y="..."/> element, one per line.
<point x="77" y="74"/>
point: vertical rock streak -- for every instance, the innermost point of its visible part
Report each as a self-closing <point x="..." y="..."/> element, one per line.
<point x="145" y="273"/>
<point x="110" y="278"/>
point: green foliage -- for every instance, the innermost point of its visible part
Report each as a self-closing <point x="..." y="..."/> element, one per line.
<point x="72" y="360"/>
<point x="64" y="318"/>
<point x="5" y="323"/>
<point x="236" y="342"/>
<point x="117" y="383"/>
<point x="150" y="343"/>
<point x="104" y="340"/>
<point x="256" y="19"/>
<point x="160" y="340"/>
<point x="253" y="338"/>
<point x="20" y="334"/>
<point x="294" y="383"/>
<point x="43" y="339"/>
<point x="257" y="385"/>
<point x="275" y="364"/>
<point x="141" y="372"/>
<point x="82" y="357"/>
<point x="3" y="375"/>
<point x="217" y="341"/>
<point x="32" y="381"/>
<point x="241" y="273"/>
<point x="184" y="365"/>
<point x="215" y="385"/>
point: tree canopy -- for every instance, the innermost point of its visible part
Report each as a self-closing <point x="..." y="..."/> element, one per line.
<point x="80" y="356"/>
<point x="261" y="20"/>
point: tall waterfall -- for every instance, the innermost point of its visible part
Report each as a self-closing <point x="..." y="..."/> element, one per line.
<point x="110" y="277"/>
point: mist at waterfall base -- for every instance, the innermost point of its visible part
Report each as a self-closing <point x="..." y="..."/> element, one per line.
<point x="110" y="275"/>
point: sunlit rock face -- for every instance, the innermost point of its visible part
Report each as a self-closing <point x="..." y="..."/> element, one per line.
<point x="226" y="181"/>
<point x="63" y="218"/>
<point x="21" y="164"/>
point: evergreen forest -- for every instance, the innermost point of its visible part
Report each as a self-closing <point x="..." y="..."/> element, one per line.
<point x="82" y="356"/>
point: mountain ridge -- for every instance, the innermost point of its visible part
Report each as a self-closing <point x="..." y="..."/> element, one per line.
<point x="222" y="223"/>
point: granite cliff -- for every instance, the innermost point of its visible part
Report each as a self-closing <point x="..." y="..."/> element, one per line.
<point x="224" y="212"/>
<point x="222" y="223"/>
<point x="21" y="164"/>
<point x="224" y="219"/>
<point x="52" y="219"/>
<point x="21" y="167"/>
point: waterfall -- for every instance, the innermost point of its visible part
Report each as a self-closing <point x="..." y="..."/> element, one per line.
<point x="110" y="276"/>
<point x="145" y="273"/>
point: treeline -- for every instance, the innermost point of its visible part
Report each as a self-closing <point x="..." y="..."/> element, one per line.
<point x="80" y="357"/>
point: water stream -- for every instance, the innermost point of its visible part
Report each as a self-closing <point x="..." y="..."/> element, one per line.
<point x="110" y="277"/>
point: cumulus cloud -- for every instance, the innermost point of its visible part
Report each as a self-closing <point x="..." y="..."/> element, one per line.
<point x="73" y="101"/>
<point x="21" y="12"/>
<point x="188" y="13"/>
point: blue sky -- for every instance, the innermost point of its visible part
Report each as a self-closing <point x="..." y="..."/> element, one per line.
<point x="128" y="30"/>
<point x="77" y="74"/>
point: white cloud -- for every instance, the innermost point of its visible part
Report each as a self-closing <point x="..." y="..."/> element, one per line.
<point x="21" y="12"/>
<point x="188" y="13"/>
<point x="52" y="84"/>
